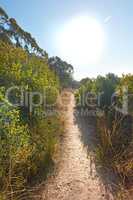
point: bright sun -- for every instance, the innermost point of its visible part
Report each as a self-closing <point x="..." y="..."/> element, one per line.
<point x="81" y="41"/>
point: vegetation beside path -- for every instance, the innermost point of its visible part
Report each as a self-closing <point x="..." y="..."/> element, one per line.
<point x="114" y="148"/>
<point x="30" y="124"/>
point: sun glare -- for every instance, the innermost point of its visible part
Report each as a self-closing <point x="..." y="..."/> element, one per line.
<point x="81" y="41"/>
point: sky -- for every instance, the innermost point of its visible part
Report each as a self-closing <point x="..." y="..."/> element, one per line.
<point x="46" y="19"/>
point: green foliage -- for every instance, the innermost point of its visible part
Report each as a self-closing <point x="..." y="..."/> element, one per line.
<point x="12" y="33"/>
<point x="125" y="88"/>
<point x="104" y="87"/>
<point x="28" y="137"/>
<point x="63" y="70"/>
<point x="44" y="140"/>
<point x="14" y="145"/>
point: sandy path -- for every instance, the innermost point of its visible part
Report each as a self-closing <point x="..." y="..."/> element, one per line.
<point x="74" y="178"/>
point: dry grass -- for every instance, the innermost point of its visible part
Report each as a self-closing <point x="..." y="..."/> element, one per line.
<point x="115" y="151"/>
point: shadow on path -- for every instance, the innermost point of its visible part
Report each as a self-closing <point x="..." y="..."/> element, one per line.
<point x="87" y="126"/>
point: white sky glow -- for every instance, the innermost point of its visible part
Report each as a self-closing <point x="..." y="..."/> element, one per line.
<point x="81" y="41"/>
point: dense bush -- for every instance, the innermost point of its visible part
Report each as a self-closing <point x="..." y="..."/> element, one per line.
<point x="24" y="150"/>
<point x="29" y="132"/>
<point x="27" y="138"/>
<point x="102" y="87"/>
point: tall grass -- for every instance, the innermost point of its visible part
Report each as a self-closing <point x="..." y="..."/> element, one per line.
<point x="115" y="150"/>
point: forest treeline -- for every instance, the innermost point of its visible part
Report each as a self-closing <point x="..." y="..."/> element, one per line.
<point x="29" y="127"/>
<point x="114" y="148"/>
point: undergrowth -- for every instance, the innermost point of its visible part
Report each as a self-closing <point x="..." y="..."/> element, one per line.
<point x="115" y="151"/>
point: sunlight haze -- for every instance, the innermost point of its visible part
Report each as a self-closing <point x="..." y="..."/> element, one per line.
<point x="63" y="23"/>
<point x="81" y="41"/>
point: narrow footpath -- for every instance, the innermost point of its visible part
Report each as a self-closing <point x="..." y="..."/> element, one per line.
<point x="76" y="177"/>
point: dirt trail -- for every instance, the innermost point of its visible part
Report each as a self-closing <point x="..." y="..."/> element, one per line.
<point x="75" y="177"/>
